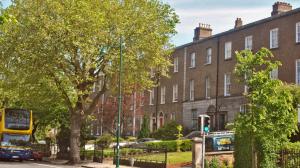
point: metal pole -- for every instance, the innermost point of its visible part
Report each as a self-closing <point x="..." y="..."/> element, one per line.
<point x="134" y="113"/>
<point x="203" y="151"/>
<point x="120" y="105"/>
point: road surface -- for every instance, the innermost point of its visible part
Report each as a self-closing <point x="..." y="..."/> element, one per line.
<point x="31" y="164"/>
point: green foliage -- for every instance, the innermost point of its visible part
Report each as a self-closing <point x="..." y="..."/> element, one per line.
<point x="272" y="116"/>
<point x="242" y="151"/>
<point x="168" y="132"/>
<point x="105" y="140"/>
<point x="59" y="42"/>
<point x="292" y="146"/>
<point x="214" y="163"/>
<point x="145" y="131"/>
<point x="206" y="163"/>
<point x="171" y="146"/>
<point x="131" y="139"/>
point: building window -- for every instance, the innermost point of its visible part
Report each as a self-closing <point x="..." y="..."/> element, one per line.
<point x="193" y="60"/>
<point x="97" y="129"/>
<point x="228" y="50"/>
<point x="192" y="90"/>
<point x="142" y="98"/>
<point x="298" y="71"/>
<point x="245" y="86"/>
<point x="274" y="74"/>
<point x="274" y="38"/>
<point x="172" y="116"/>
<point x="227" y="85"/>
<point x="298" y="32"/>
<point x="92" y="129"/>
<point x="248" y="43"/>
<point x="175" y="64"/>
<point x="208" y="56"/>
<point x="194" y="119"/>
<point x="244" y="108"/>
<point x="207" y="88"/>
<point x="151" y="94"/>
<point x="152" y="72"/>
<point x="163" y="95"/>
<point x="175" y="93"/>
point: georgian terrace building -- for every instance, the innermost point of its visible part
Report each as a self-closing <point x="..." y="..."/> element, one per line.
<point x="201" y="79"/>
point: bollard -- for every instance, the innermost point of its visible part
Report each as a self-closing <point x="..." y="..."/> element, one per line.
<point x="197" y="152"/>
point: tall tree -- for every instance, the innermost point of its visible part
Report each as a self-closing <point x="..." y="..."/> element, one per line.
<point x="271" y="117"/>
<point x="61" y="40"/>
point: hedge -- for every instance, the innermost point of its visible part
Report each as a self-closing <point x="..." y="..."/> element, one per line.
<point x="171" y="146"/>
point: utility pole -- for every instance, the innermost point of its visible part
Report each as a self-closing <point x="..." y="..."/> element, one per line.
<point x="134" y="113"/>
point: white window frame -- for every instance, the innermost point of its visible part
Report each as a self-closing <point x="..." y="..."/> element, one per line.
<point x="228" y="50"/>
<point x="194" y="117"/>
<point x="192" y="90"/>
<point x="227" y="84"/>
<point x="163" y="95"/>
<point x="298" y="32"/>
<point x="274" y="38"/>
<point x="208" y="56"/>
<point x="151" y="96"/>
<point x="152" y="72"/>
<point x="175" y="92"/>
<point x="248" y="42"/>
<point x="175" y="64"/>
<point x="297" y="78"/>
<point x="142" y="98"/>
<point x="274" y="73"/>
<point x="245" y="86"/>
<point x="193" y="60"/>
<point x="207" y="87"/>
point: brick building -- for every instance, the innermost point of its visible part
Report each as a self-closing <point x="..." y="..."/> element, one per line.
<point x="201" y="80"/>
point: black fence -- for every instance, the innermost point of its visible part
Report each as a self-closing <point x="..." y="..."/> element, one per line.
<point x="143" y="157"/>
<point x="289" y="159"/>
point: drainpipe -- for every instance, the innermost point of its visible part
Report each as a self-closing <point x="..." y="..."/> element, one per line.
<point x="217" y="84"/>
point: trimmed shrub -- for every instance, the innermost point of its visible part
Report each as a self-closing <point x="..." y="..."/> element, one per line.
<point x="171" y="146"/>
<point x="167" y="132"/>
<point x="105" y="140"/>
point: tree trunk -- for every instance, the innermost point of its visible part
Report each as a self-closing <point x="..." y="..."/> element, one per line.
<point x="75" y="137"/>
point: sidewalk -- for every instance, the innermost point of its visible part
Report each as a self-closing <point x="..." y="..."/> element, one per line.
<point x="89" y="164"/>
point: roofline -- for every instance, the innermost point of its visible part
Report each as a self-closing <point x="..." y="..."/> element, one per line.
<point x="249" y="25"/>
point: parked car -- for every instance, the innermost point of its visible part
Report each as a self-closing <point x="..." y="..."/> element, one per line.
<point x="141" y="142"/>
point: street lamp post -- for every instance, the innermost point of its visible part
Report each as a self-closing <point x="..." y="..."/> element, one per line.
<point x="119" y="105"/>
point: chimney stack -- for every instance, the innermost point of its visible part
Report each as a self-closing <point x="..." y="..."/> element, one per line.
<point x="281" y="7"/>
<point x="202" y="31"/>
<point x="238" y="23"/>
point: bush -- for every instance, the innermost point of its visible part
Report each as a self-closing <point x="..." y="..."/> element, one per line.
<point x="171" y="146"/>
<point x="130" y="139"/>
<point x="214" y="163"/>
<point x="105" y="140"/>
<point x="167" y="132"/>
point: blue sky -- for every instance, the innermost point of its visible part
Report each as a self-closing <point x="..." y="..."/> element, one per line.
<point x="220" y="14"/>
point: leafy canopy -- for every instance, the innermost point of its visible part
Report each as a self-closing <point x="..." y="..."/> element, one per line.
<point x="272" y="116"/>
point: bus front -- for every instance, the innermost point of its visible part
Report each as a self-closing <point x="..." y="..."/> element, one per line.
<point x="15" y="133"/>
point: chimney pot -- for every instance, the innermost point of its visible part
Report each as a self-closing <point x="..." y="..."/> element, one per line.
<point x="202" y="31"/>
<point x="238" y="23"/>
<point x="281" y="7"/>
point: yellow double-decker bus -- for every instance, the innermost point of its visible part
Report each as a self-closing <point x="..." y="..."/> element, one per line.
<point x="15" y="133"/>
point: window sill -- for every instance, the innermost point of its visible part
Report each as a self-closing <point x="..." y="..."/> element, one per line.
<point x="151" y="104"/>
<point x="228" y="59"/>
<point x="298" y="43"/>
<point x="275" y="48"/>
<point x="175" y="71"/>
<point x="227" y="95"/>
<point x="207" y="98"/>
<point x="207" y="64"/>
<point x="175" y="101"/>
<point x="192" y="67"/>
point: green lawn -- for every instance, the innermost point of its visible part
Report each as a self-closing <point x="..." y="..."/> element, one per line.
<point x="173" y="157"/>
